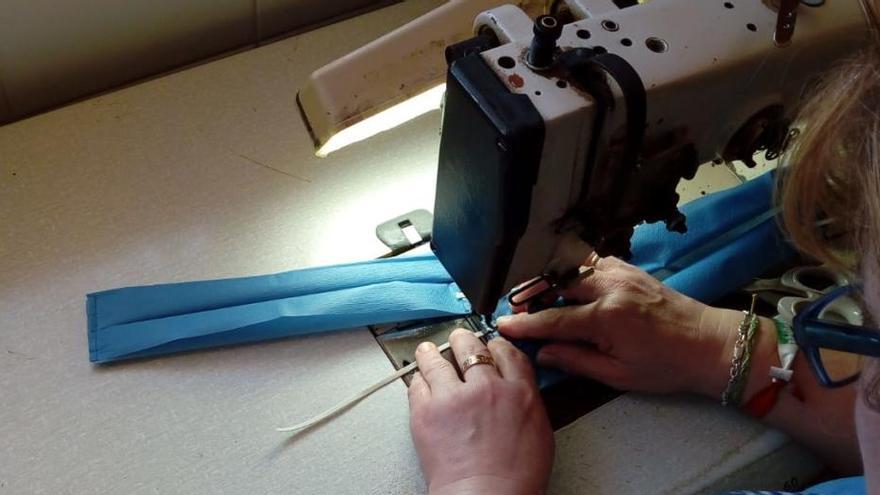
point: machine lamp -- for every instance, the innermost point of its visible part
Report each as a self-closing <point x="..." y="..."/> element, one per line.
<point x="391" y="80"/>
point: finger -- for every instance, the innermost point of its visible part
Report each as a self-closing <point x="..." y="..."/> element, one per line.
<point x="527" y="290"/>
<point x="438" y="373"/>
<point x="613" y="275"/>
<point x="545" y="300"/>
<point x="609" y="263"/>
<point x="465" y="344"/>
<point x="535" y="291"/>
<point x="589" y="288"/>
<point x="568" y="323"/>
<point x="419" y="392"/>
<point x="580" y="359"/>
<point x="512" y="363"/>
<point x="605" y="263"/>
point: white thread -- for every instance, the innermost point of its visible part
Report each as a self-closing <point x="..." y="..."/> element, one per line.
<point x="342" y="406"/>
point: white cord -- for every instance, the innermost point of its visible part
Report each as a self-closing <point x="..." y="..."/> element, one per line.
<point x="342" y="406"/>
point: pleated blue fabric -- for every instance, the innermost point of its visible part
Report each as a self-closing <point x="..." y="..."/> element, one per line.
<point x="732" y="238"/>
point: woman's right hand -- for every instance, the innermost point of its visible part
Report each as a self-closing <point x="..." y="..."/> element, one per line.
<point x="485" y="432"/>
<point x="628" y="330"/>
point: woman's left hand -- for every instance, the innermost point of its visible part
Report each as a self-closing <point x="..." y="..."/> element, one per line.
<point x="628" y="330"/>
<point x="487" y="434"/>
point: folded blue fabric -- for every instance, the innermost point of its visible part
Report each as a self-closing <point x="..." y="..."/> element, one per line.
<point x="161" y="319"/>
<point x="845" y="486"/>
<point x="732" y="238"/>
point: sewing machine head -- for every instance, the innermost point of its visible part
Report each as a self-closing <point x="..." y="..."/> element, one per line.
<point x="563" y="133"/>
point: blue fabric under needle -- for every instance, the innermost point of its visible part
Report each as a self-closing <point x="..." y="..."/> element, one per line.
<point x="732" y="238"/>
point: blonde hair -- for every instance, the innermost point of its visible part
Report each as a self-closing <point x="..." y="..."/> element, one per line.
<point x="830" y="193"/>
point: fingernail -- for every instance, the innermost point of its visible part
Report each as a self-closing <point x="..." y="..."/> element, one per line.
<point x="425" y="347"/>
<point x="503" y="320"/>
<point x="460" y="331"/>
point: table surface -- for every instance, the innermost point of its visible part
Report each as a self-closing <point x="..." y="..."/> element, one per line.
<point x="210" y="173"/>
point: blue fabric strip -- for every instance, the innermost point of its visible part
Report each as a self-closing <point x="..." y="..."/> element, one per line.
<point x="732" y="238"/>
<point x="161" y="319"/>
<point x="845" y="486"/>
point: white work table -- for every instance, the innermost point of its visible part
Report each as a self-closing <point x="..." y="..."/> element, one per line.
<point x="210" y="173"/>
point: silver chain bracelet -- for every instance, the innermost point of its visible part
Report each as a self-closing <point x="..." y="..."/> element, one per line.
<point x="742" y="358"/>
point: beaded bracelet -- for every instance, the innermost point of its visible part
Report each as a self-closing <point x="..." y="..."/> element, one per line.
<point x="742" y="358"/>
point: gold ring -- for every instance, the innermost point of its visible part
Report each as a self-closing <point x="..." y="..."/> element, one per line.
<point x="594" y="259"/>
<point x="476" y="360"/>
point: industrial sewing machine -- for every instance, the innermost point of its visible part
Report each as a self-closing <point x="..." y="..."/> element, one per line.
<point x="568" y="123"/>
<point x="561" y="134"/>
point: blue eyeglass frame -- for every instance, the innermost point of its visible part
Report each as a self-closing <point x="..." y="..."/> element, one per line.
<point x="811" y="334"/>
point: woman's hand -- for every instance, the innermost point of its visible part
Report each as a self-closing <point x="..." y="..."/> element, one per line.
<point x="487" y="434"/>
<point x="628" y="330"/>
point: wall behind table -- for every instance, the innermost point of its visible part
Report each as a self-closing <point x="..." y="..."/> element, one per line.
<point x="56" y="51"/>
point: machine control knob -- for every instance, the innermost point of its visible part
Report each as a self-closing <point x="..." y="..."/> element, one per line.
<point x="542" y="51"/>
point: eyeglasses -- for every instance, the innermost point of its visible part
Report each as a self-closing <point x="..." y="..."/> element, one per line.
<point x="829" y="340"/>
